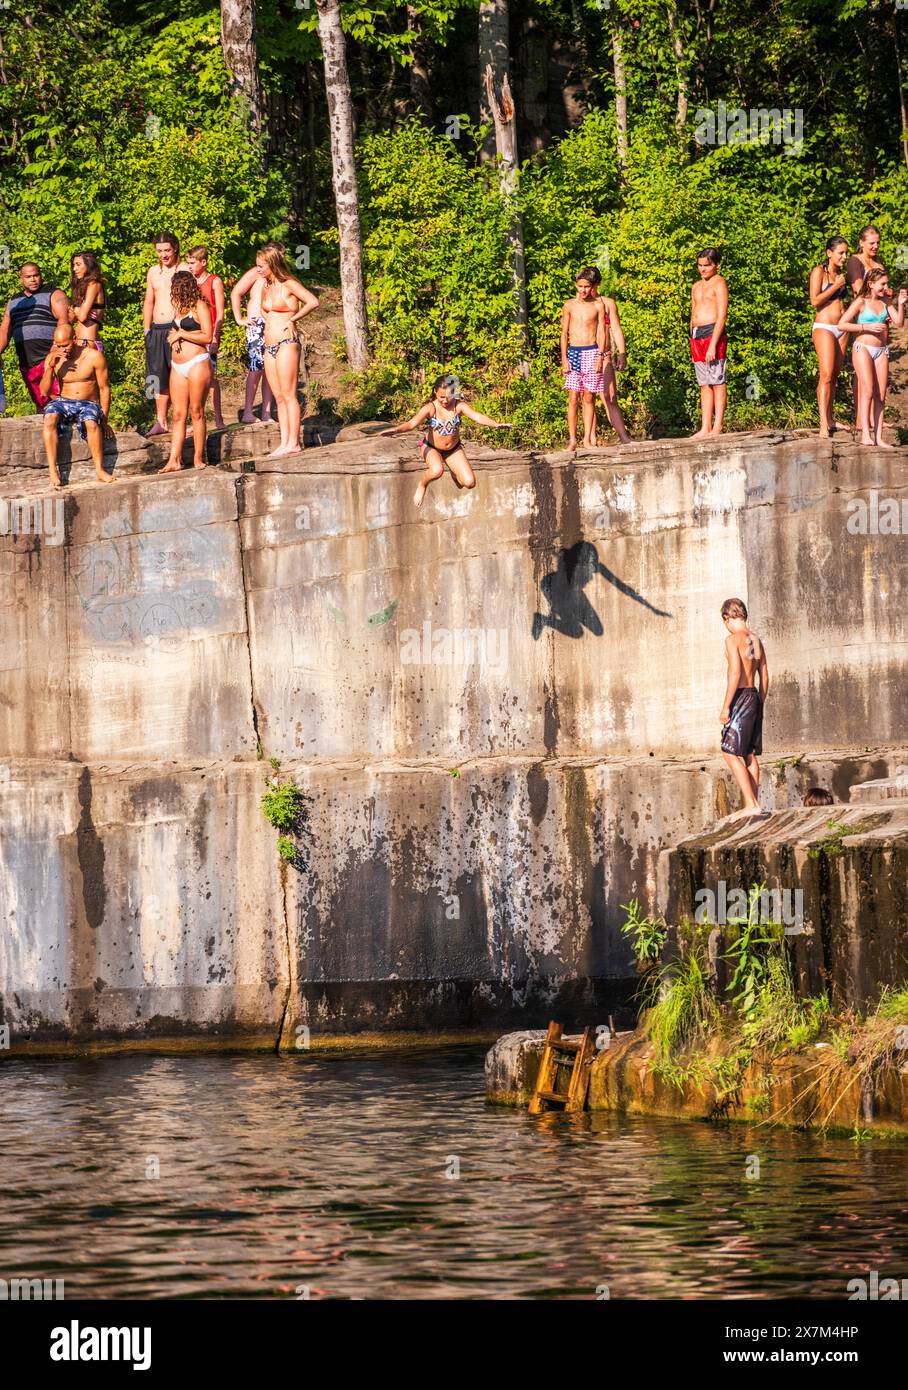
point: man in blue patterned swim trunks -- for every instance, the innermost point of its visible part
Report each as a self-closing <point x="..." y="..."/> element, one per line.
<point x="80" y="371"/>
<point x="583" y="348"/>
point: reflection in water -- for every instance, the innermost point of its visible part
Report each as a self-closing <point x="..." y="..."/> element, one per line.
<point x="332" y="1173"/>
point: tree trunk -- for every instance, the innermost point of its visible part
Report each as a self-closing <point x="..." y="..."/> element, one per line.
<point x="420" y="87"/>
<point x="497" y="94"/>
<point x="346" y="193"/>
<point x="620" y="99"/>
<point x="898" y="69"/>
<point x="238" y="42"/>
<point x="680" y="68"/>
<point x="493" y="53"/>
<point x="532" y="84"/>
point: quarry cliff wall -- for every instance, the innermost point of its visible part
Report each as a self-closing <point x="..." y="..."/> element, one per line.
<point x="499" y="710"/>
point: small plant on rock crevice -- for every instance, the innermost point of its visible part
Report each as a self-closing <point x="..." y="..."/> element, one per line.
<point x="647" y="934"/>
<point x="283" y="806"/>
<point x="832" y="844"/>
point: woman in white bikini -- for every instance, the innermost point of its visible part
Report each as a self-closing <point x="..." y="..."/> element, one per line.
<point x="868" y="316"/>
<point x="828" y="289"/>
<point x="284" y="302"/>
<point x="190" y="368"/>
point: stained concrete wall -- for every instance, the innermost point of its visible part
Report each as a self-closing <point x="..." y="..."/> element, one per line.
<point x="500" y="709"/>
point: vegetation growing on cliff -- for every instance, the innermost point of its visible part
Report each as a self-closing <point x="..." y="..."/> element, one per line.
<point x="705" y="1037"/>
<point x="283" y="806"/>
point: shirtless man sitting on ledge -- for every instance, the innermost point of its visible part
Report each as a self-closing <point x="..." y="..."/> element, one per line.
<point x="80" y="371"/>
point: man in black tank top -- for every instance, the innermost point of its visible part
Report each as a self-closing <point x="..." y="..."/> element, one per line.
<point x="31" y="317"/>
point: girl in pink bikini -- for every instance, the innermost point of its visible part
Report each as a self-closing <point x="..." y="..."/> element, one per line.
<point x="88" y="299"/>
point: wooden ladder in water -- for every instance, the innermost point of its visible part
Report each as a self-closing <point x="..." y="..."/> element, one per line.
<point x="555" y="1054"/>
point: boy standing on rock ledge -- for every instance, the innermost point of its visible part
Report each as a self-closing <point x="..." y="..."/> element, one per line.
<point x="708" y="343"/>
<point x="583" y="350"/>
<point x="742" y="711"/>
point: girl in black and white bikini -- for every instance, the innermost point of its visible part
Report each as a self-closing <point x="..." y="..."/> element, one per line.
<point x="190" y="368"/>
<point x="441" y="444"/>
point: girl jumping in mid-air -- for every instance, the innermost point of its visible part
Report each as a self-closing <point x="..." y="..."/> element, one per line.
<point x="441" y="443"/>
<point x="868" y="316"/>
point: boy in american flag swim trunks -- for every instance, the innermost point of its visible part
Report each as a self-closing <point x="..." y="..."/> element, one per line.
<point x="583" y="352"/>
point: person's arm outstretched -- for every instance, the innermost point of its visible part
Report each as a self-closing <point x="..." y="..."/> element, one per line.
<point x="418" y="419"/>
<point x="477" y="415"/>
<point x="733" y="657"/>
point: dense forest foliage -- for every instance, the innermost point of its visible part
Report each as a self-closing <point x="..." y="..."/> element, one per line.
<point x="120" y="119"/>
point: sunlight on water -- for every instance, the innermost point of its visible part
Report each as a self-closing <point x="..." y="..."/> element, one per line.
<point x="333" y="1176"/>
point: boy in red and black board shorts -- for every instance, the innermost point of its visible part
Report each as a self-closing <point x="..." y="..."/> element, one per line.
<point x="583" y="344"/>
<point x="708" y="344"/>
<point x="211" y="288"/>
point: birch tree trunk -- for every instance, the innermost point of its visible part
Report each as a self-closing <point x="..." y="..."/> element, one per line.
<point x="346" y="193"/>
<point x="420" y="87"/>
<point x="238" y="43"/>
<point x="493" y="53"/>
<point x="620" y="98"/>
<point x="496" y="86"/>
<point x="680" y="68"/>
<point x="898" y="69"/>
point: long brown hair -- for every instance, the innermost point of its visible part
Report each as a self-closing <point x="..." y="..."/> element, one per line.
<point x="184" y="291"/>
<point x="274" y="260"/>
<point x="876" y="273"/>
<point x="78" y="286"/>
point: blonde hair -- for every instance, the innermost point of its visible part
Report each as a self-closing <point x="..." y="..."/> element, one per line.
<point x="734" y="608"/>
<point x="274" y="260"/>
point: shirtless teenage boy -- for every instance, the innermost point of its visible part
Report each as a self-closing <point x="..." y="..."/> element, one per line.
<point x="157" y="316"/>
<point x="708" y="312"/>
<point x="583" y="344"/>
<point x="746" y="689"/>
<point x="80" y="371"/>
